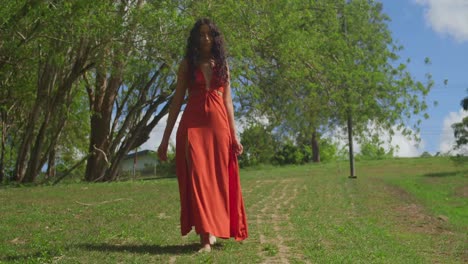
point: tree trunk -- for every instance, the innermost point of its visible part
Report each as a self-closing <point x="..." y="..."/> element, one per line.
<point x="96" y="165"/>
<point x="102" y="101"/>
<point x="34" y="160"/>
<point x="25" y="147"/>
<point x="53" y="143"/>
<point x="315" y="147"/>
<point x="51" y="165"/>
<point x="350" y="142"/>
<point x="114" y="134"/>
<point x="32" y="157"/>
<point x="2" y="150"/>
<point x="45" y="83"/>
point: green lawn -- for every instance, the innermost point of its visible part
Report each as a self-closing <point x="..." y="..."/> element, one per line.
<point x="396" y="211"/>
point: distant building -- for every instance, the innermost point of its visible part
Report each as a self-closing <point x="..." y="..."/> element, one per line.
<point x="142" y="163"/>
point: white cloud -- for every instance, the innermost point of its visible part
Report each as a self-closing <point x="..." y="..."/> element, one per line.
<point x="243" y="123"/>
<point x="406" y="147"/>
<point x="447" y="17"/>
<point x="447" y="140"/>
<point x="403" y="146"/>
<point x="156" y="135"/>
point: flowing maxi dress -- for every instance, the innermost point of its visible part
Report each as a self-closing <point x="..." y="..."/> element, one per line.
<point x="206" y="167"/>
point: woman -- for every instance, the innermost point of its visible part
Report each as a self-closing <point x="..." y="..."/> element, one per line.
<point x="206" y="142"/>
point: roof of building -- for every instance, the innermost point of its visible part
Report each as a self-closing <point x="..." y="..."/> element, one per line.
<point x="139" y="153"/>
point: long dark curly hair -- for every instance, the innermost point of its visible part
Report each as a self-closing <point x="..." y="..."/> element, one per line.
<point x="192" y="53"/>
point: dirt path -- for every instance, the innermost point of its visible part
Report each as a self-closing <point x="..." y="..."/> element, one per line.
<point x="272" y="220"/>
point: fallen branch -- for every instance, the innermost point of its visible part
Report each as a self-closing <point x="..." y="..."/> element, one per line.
<point x="104" y="202"/>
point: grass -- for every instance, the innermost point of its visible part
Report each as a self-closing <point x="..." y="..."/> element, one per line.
<point x="396" y="211"/>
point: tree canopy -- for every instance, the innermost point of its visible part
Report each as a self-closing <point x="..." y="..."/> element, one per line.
<point x="89" y="80"/>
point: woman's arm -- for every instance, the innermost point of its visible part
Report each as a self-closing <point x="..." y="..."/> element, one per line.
<point x="174" y="108"/>
<point x="227" y="97"/>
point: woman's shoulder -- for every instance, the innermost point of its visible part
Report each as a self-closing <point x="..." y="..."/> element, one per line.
<point x="183" y="66"/>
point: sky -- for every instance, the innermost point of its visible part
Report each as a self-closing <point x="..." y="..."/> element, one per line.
<point x="437" y="29"/>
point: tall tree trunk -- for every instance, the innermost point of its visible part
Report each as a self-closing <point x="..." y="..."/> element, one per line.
<point x="96" y="165"/>
<point x="25" y="147"/>
<point x="57" y="111"/>
<point x="45" y="83"/>
<point x="351" y="150"/>
<point x="315" y="147"/>
<point x="102" y="104"/>
<point x="33" y="164"/>
<point x="32" y="157"/>
<point x="116" y="125"/>
<point x="51" y="149"/>
<point x="2" y="150"/>
<point x="51" y="165"/>
<point x="102" y="101"/>
<point x="54" y="109"/>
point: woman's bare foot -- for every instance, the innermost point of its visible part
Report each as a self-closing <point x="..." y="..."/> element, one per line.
<point x="212" y="239"/>
<point x="205" y="249"/>
<point x="205" y="243"/>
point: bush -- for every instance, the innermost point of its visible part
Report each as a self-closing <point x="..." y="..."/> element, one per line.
<point x="328" y="150"/>
<point x="292" y="154"/>
<point x="372" y="150"/>
<point x="426" y="154"/>
<point x="167" y="168"/>
<point x="259" y="146"/>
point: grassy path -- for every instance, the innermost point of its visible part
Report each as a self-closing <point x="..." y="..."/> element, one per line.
<point x="397" y="211"/>
<point x="272" y="220"/>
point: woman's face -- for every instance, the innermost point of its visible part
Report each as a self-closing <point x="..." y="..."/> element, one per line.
<point x="206" y="40"/>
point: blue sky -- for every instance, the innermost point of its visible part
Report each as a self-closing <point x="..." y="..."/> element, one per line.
<point x="437" y="29"/>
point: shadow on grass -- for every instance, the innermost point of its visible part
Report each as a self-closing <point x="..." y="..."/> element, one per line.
<point x="446" y="174"/>
<point x="145" y="249"/>
<point x="186" y="249"/>
<point x="38" y="256"/>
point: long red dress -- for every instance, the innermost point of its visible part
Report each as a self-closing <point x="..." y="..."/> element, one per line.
<point x="206" y="167"/>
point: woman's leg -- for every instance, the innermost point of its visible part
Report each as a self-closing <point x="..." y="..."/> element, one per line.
<point x="205" y="242"/>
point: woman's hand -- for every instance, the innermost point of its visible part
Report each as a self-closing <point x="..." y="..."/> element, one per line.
<point x="162" y="150"/>
<point x="237" y="146"/>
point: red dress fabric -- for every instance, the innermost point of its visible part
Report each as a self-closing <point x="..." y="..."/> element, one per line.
<point x="206" y="167"/>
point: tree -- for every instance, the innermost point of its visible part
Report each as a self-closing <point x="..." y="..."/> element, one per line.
<point x="16" y="33"/>
<point x="464" y="103"/>
<point x="372" y="149"/>
<point x="259" y="146"/>
<point x="39" y="66"/>
<point x="306" y="66"/>
<point x="290" y="153"/>
<point x="133" y="81"/>
<point x="273" y="78"/>
<point x="327" y="65"/>
<point x="73" y="147"/>
<point x="426" y="154"/>
<point x="460" y="129"/>
<point x="116" y="51"/>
